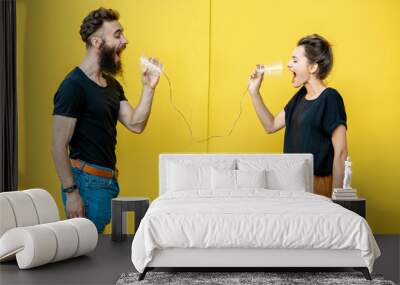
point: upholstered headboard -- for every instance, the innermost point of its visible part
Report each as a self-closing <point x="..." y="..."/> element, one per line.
<point x="238" y="161"/>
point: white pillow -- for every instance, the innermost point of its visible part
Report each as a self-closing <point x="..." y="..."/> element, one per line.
<point x="223" y="179"/>
<point x="291" y="179"/>
<point x="186" y="174"/>
<point x="251" y="178"/>
<point x="237" y="179"/>
<point x="281" y="174"/>
<point x="185" y="177"/>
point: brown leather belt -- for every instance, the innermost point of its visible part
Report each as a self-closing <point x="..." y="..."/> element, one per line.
<point x="94" y="171"/>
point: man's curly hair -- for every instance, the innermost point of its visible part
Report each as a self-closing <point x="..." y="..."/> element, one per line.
<point x="94" y="21"/>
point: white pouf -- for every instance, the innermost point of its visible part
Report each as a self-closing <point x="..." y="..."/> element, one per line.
<point x="7" y="218"/>
<point x="31" y="232"/>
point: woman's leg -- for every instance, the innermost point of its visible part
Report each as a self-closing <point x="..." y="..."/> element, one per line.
<point x="323" y="185"/>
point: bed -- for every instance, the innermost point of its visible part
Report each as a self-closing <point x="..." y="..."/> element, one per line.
<point x="246" y="211"/>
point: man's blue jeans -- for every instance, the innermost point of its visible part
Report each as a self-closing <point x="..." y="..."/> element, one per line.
<point x="96" y="193"/>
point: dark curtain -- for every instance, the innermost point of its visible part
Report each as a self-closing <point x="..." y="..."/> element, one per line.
<point x="8" y="98"/>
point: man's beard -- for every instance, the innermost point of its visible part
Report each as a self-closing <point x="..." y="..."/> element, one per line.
<point x="107" y="61"/>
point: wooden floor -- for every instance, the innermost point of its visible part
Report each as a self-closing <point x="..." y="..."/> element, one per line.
<point x="111" y="259"/>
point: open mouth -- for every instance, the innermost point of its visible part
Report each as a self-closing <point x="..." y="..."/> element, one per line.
<point x="294" y="75"/>
<point x="118" y="53"/>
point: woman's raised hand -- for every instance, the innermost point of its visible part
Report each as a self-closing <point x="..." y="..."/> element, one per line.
<point x="255" y="81"/>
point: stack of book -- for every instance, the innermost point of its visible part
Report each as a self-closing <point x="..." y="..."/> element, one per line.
<point x="344" y="194"/>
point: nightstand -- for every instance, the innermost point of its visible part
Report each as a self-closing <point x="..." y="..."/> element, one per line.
<point x="119" y="207"/>
<point x="358" y="205"/>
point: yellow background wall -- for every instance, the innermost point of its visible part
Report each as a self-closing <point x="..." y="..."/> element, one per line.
<point x="209" y="48"/>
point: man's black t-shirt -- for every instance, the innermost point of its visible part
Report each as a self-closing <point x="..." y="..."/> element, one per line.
<point x="310" y="124"/>
<point x="96" y="109"/>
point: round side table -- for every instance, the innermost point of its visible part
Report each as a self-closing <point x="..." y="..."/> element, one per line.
<point x="119" y="207"/>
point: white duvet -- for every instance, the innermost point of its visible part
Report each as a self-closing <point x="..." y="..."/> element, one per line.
<point x="250" y="218"/>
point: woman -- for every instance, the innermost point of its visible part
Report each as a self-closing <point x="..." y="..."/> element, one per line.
<point x="315" y="117"/>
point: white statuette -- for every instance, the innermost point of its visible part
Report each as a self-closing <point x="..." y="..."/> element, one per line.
<point x="347" y="174"/>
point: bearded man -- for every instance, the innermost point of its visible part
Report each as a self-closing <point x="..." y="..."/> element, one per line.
<point x="87" y="106"/>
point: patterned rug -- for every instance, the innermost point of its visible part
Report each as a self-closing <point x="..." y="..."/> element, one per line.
<point x="243" y="278"/>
